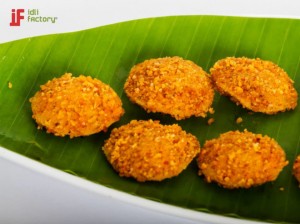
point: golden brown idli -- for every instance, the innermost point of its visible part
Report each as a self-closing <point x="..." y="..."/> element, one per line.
<point x="150" y="151"/>
<point x="258" y="85"/>
<point x="170" y="85"/>
<point x="296" y="168"/>
<point x="75" y="106"/>
<point x="241" y="159"/>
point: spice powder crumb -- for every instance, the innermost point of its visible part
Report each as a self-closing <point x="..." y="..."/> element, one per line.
<point x="239" y="120"/>
<point x="210" y="121"/>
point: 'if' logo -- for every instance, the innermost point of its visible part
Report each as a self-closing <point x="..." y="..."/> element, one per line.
<point x="16" y="16"/>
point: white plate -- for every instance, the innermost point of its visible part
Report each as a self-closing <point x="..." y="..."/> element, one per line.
<point x="32" y="192"/>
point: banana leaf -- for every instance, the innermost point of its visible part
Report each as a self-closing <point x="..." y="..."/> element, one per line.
<point x="108" y="53"/>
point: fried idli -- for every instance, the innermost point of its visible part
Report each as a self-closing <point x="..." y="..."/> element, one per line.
<point x="150" y="151"/>
<point x="241" y="159"/>
<point x="296" y="168"/>
<point x="170" y="85"/>
<point x="75" y="106"/>
<point x="258" y="85"/>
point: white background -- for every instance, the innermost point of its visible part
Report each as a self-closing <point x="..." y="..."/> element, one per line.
<point x="33" y="193"/>
<point x="82" y="14"/>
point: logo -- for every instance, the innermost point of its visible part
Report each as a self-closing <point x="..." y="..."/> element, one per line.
<point x="16" y="17"/>
<point x="33" y="16"/>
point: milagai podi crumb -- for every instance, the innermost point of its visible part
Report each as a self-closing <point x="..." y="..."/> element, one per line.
<point x="239" y="120"/>
<point x="210" y="121"/>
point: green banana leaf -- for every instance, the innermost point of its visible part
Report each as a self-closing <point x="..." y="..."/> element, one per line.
<point x="108" y="53"/>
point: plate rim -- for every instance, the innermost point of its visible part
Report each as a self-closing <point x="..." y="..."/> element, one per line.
<point x="104" y="191"/>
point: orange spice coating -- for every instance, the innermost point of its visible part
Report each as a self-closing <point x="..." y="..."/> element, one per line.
<point x="296" y="168"/>
<point x="170" y="85"/>
<point x="241" y="159"/>
<point x="75" y="106"/>
<point x="258" y="85"/>
<point x="150" y="151"/>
